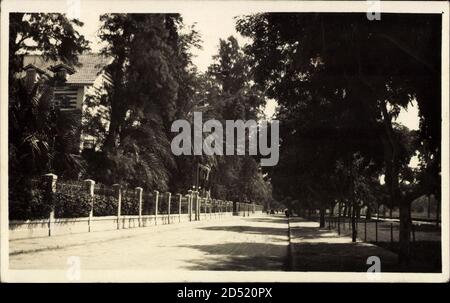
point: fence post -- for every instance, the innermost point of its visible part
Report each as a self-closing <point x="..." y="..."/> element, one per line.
<point x="169" y="196"/>
<point x="198" y="205"/>
<point x="118" y="195"/>
<point x="339" y="219"/>
<point x="188" y="211"/>
<point x="392" y="233"/>
<point x="365" y="230"/>
<point x="49" y="186"/>
<point x="138" y="193"/>
<point x="89" y="186"/>
<point x="156" y="194"/>
<point x="211" y="206"/>
<point x="195" y="204"/>
<point x="189" y="199"/>
<point x="180" y="197"/>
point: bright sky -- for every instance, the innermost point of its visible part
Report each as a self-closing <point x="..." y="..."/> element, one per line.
<point x="214" y="25"/>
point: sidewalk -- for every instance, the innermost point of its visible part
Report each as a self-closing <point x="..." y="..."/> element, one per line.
<point x="256" y="243"/>
<point x="31" y="245"/>
<point x="316" y="249"/>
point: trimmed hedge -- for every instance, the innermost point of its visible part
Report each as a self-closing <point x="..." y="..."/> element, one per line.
<point x="27" y="202"/>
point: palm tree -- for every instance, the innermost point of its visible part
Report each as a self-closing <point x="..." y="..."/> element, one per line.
<point x="40" y="134"/>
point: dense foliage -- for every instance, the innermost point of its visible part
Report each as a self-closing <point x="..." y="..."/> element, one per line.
<point x="341" y="81"/>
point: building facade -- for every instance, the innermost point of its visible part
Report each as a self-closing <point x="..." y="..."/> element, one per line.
<point x="73" y="85"/>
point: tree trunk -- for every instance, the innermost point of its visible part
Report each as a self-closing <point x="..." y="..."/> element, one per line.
<point x="404" y="252"/>
<point x="110" y="140"/>
<point x="438" y="211"/>
<point x="368" y="213"/>
<point x="344" y="211"/>
<point x="322" y="217"/>
<point x="339" y="218"/>
<point x="354" y="231"/>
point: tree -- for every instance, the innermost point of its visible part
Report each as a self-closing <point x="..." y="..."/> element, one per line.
<point x="152" y="85"/>
<point x="61" y="40"/>
<point x="230" y="94"/>
<point x="42" y="138"/>
<point x="372" y="69"/>
<point x="39" y="139"/>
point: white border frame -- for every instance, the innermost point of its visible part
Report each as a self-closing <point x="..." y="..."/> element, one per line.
<point x="239" y="7"/>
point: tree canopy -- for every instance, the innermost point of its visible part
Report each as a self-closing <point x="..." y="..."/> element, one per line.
<point x="340" y="81"/>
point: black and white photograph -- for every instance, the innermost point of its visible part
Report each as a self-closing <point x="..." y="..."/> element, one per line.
<point x="213" y="141"/>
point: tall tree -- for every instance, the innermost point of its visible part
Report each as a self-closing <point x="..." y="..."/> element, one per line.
<point x="372" y="68"/>
<point x="232" y="95"/>
<point x="152" y="79"/>
<point x="61" y="39"/>
<point x="38" y="139"/>
<point x="41" y="137"/>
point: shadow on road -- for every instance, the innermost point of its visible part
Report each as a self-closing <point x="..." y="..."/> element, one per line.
<point x="426" y="255"/>
<point x="249" y="230"/>
<point x="243" y="257"/>
<point x="273" y="219"/>
<point x="339" y="257"/>
<point x="320" y="249"/>
<point x="254" y="244"/>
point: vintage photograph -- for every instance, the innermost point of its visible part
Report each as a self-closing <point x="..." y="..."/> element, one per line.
<point x="203" y="137"/>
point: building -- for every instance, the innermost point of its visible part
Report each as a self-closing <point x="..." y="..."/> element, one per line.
<point x="73" y="85"/>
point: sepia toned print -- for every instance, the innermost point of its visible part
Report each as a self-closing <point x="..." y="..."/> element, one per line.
<point x="237" y="143"/>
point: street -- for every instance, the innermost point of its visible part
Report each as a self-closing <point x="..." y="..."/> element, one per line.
<point x="235" y="243"/>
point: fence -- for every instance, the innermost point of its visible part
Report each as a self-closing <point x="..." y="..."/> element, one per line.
<point x="383" y="230"/>
<point x="76" y="207"/>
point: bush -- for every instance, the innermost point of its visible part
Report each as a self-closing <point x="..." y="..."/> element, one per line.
<point x="105" y="205"/>
<point x="27" y="202"/>
<point x="72" y="204"/>
<point x="130" y="205"/>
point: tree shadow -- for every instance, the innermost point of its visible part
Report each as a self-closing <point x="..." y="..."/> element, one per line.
<point x="273" y="231"/>
<point x="241" y="257"/>
<point x="320" y="249"/>
<point x="275" y="219"/>
<point x="340" y="257"/>
<point x="425" y="255"/>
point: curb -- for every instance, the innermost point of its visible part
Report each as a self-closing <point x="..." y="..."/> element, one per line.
<point x="150" y="229"/>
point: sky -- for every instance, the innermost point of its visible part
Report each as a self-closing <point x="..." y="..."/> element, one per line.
<point x="212" y="26"/>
